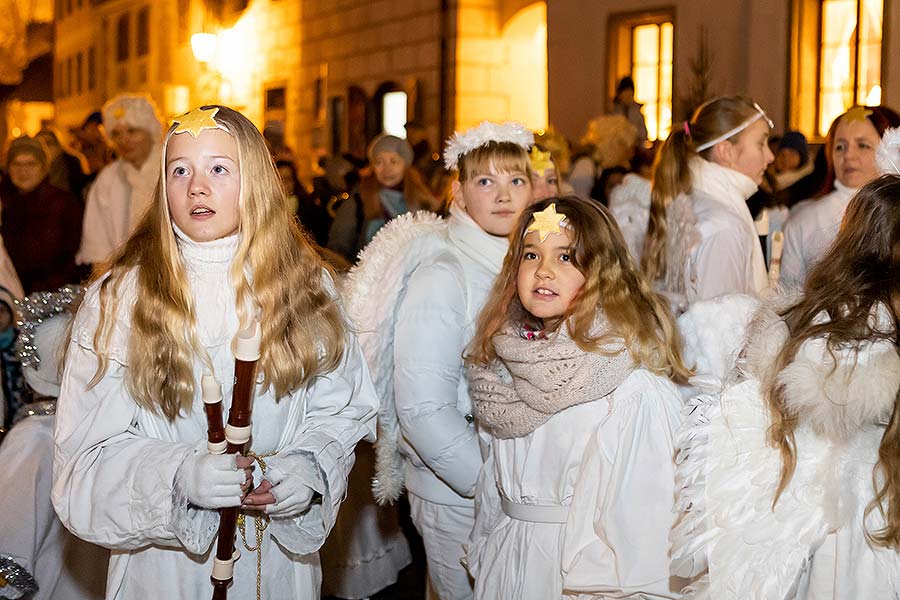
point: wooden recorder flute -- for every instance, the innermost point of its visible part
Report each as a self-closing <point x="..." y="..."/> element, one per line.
<point x="235" y="438"/>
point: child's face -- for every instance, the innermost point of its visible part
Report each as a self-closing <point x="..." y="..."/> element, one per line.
<point x="547" y="280"/>
<point x="751" y="153"/>
<point x="545" y="185"/>
<point x="203" y="184"/>
<point x="495" y="200"/>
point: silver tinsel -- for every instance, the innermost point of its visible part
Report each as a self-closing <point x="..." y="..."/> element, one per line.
<point x="15" y="575"/>
<point x="33" y="310"/>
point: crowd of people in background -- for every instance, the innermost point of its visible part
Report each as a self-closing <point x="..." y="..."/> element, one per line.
<point x="614" y="368"/>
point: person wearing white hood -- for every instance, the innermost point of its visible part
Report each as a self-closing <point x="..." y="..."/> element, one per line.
<point x="124" y="188"/>
<point x="701" y="238"/>
<point x="414" y="298"/>
<point x="850" y="152"/>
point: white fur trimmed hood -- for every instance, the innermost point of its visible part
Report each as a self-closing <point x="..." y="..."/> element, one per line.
<point x="835" y="393"/>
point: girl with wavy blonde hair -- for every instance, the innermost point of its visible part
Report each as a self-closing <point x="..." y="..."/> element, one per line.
<point x="570" y="375"/>
<point x="216" y="252"/>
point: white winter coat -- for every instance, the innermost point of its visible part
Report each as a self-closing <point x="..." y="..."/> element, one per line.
<point x="712" y="245"/>
<point x="115" y="462"/>
<point x="435" y="322"/>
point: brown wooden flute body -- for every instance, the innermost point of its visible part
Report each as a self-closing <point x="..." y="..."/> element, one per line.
<point x="237" y="435"/>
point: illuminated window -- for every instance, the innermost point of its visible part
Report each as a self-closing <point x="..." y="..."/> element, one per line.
<point x="651" y="68"/>
<point x="642" y="48"/>
<point x="393" y="111"/>
<point x="849" y="57"/>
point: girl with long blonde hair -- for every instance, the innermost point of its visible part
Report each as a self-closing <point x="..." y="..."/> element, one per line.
<point x="570" y="377"/>
<point x="801" y="477"/>
<point x="700" y="237"/>
<point x="215" y="253"/>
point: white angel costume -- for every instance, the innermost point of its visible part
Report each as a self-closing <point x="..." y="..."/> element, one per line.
<point x="629" y="203"/>
<point x="712" y="247"/>
<point x="580" y="507"/>
<point x="809" y="231"/>
<point x="115" y="464"/>
<point x="811" y="545"/>
<point x="414" y="298"/>
<point x="35" y="548"/>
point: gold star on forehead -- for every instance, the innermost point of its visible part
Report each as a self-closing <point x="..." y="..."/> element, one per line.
<point x="857" y="113"/>
<point x="196" y="121"/>
<point x="119" y="113"/>
<point x="546" y="222"/>
<point x="540" y="161"/>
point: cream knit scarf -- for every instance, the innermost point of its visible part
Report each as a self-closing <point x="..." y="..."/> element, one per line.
<point x="534" y="379"/>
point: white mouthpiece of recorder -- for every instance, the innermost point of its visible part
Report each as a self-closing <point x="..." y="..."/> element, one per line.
<point x="212" y="391"/>
<point x="246" y="347"/>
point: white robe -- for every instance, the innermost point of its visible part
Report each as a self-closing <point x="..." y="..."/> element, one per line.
<point x="115" y="203"/>
<point x="31" y="534"/>
<point x="115" y="462"/>
<point x="610" y="462"/>
<point x="809" y="231"/>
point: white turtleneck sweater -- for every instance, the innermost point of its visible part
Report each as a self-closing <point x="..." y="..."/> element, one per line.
<point x="809" y="231"/>
<point x="115" y="462"/>
<point x="713" y="248"/>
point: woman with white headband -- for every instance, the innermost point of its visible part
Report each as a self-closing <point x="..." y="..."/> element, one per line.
<point x="701" y="238"/>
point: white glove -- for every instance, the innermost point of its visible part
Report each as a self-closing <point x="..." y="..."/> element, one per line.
<point x="211" y="480"/>
<point x="292" y="496"/>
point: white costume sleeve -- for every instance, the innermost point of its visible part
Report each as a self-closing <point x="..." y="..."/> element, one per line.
<point x="429" y="343"/>
<point x="720" y="266"/>
<point x="113" y="485"/>
<point x="616" y="541"/>
<point x="340" y="411"/>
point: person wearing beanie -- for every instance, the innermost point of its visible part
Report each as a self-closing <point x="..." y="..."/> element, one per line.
<point x="793" y="152"/>
<point x="120" y="195"/>
<point x="391" y="188"/>
<point x="41" y="224"/>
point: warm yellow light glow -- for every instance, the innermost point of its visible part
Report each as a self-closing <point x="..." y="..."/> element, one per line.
<point x="393" y="110"/>
<point x="204" y="46"/>
<point x="849" y="50"/>
<point x="16" y="132"/>
<point x="651" y="68"/>
<point x="503" y="76"/>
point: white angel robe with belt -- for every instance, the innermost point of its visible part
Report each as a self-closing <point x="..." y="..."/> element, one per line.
<point x="603" y="471"/>
<point x="115" y="462"/>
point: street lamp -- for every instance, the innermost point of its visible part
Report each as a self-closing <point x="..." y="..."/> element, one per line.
<point x="204" y="46"/>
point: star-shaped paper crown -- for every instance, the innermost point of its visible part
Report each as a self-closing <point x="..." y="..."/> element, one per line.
<point x="857" y="113"/>
<point x="461" y="144"/>
<point x="546" y="222"/>
<point x="540" y="161"/>
<point x="196" y="121"/>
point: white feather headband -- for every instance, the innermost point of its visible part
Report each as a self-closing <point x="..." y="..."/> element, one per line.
<point x="887" y="155"/>
<point x="461" y="144"/>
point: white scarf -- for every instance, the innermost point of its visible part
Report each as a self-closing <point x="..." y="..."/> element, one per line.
<point x="731" y="189"/>
<point x="485" y="249"/>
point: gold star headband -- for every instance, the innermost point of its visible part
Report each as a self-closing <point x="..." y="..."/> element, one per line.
<point x="548" y="221"/>
<point x="857" y="113"/>
<point x="196" y="121"/>
<point x="540" y="161"/>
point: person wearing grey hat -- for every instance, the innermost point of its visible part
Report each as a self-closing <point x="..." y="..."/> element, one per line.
<point x="391" y="188"/>
<point x="41" y="224"/>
